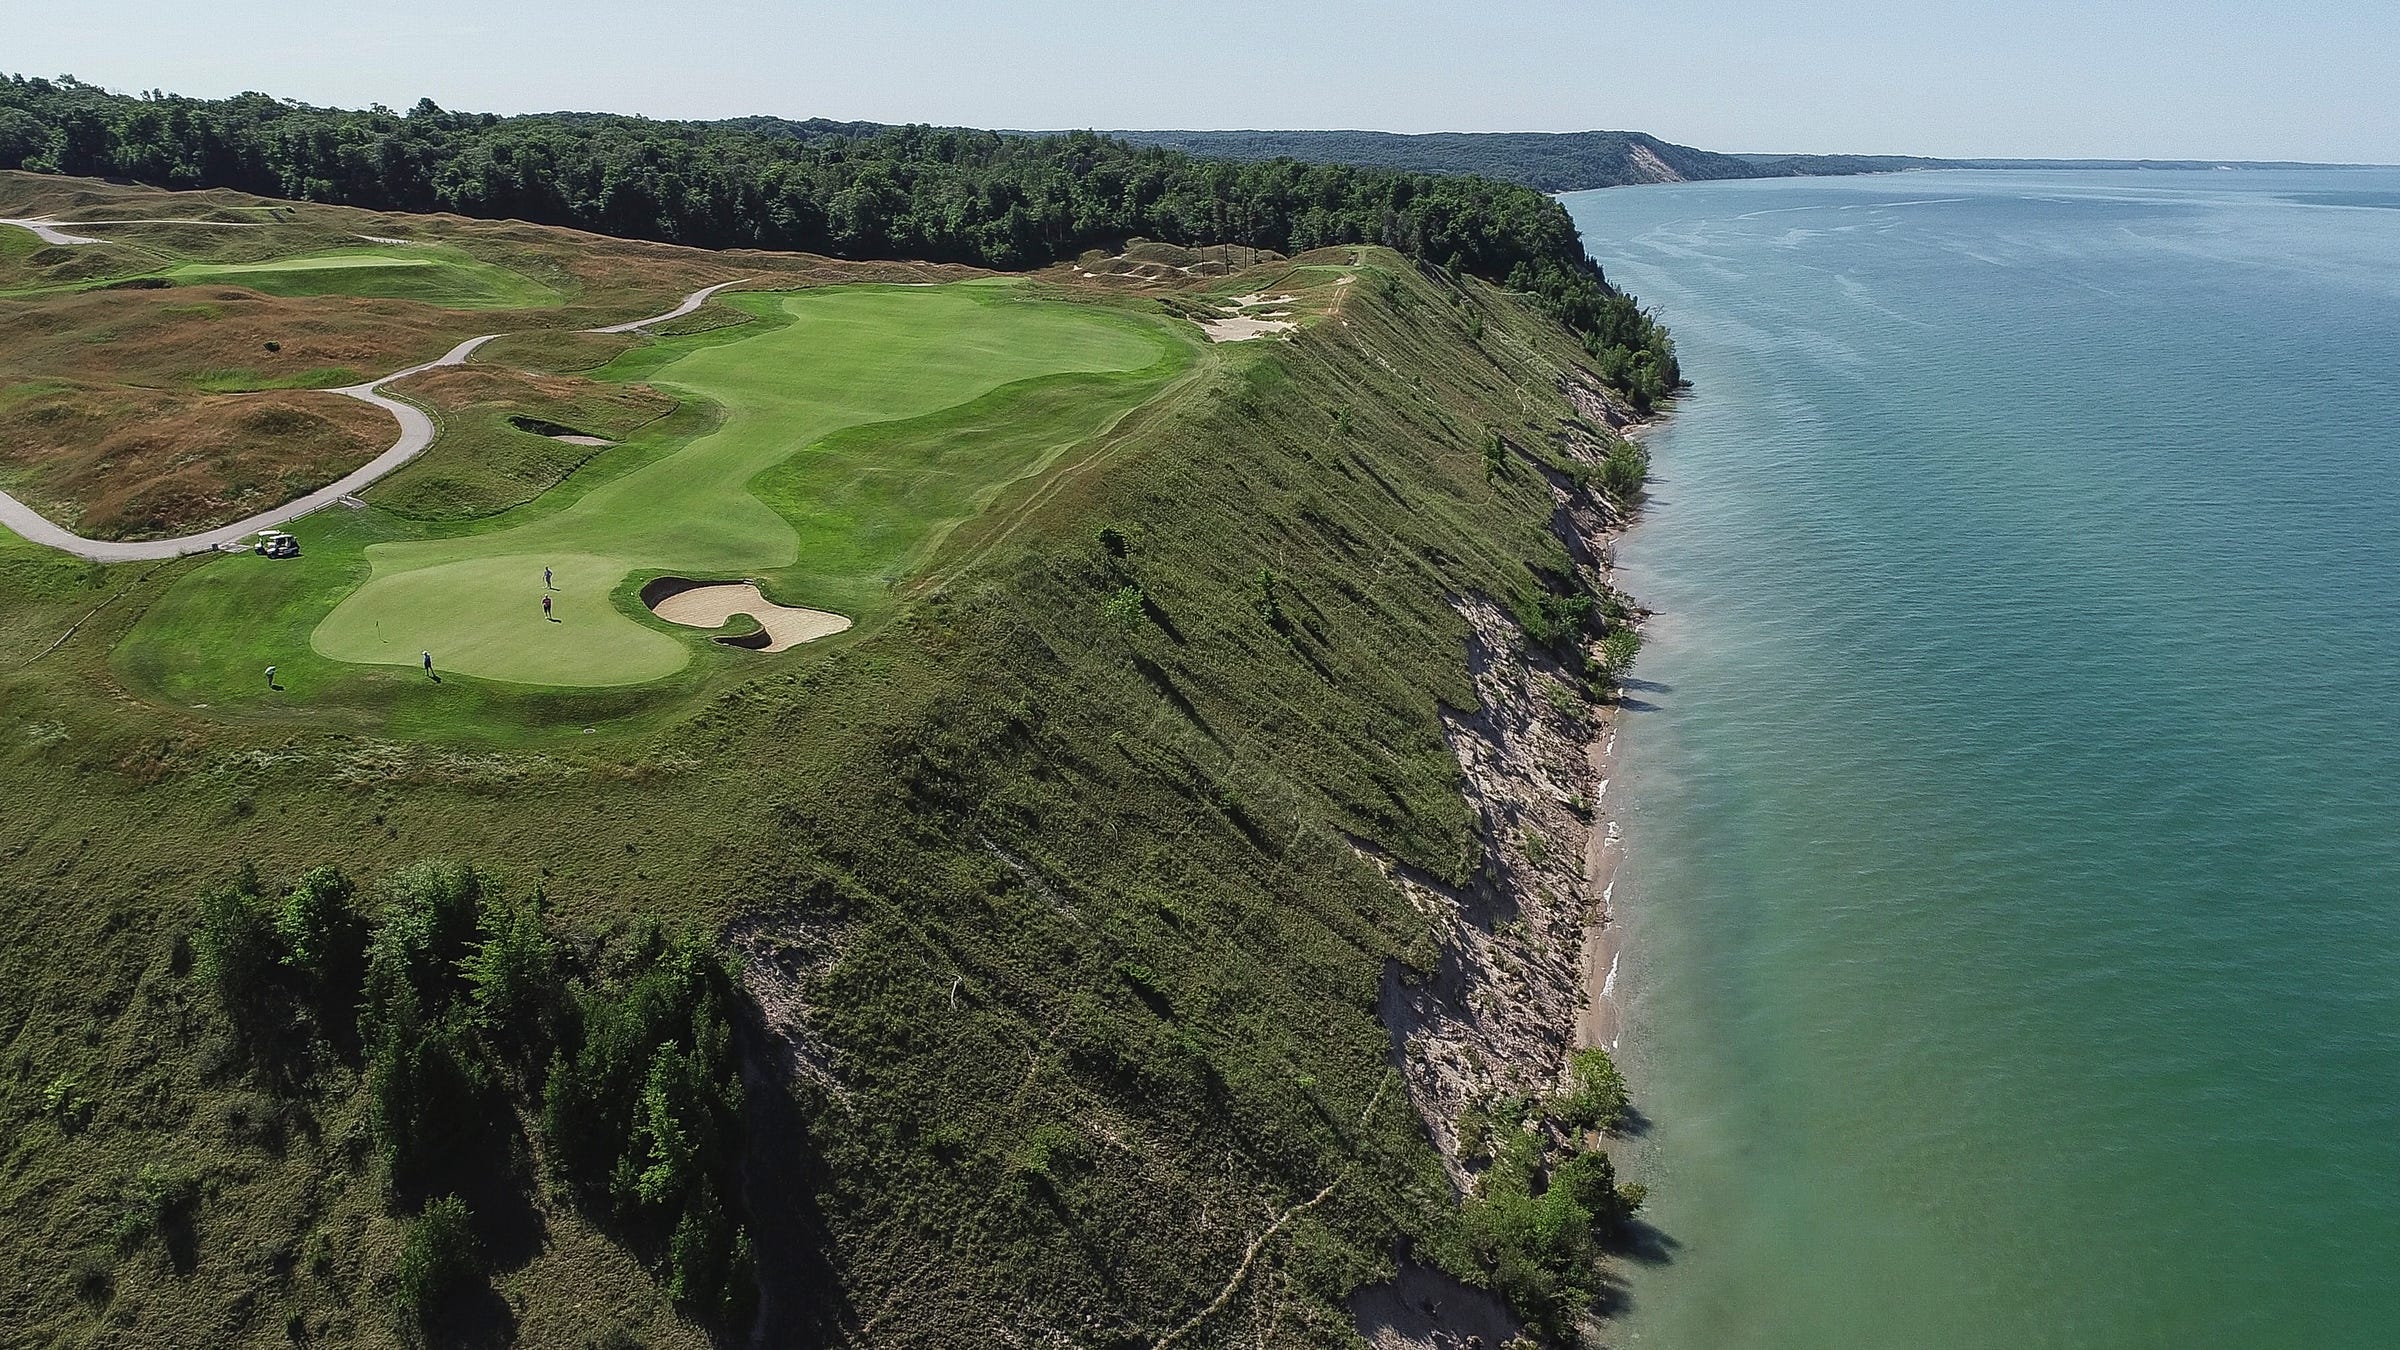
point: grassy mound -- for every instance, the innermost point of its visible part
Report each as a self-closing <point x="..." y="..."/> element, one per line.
<point x="499" y="443"/>
<point x="448" y="278"/>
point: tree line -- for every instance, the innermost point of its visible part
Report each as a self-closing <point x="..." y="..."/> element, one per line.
<point x="845" y="190"/>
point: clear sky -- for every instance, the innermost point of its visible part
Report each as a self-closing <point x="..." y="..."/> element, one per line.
<point x="2264" y="79"/>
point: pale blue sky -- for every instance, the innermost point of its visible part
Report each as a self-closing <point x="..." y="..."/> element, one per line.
<point x="2301" y="79"/>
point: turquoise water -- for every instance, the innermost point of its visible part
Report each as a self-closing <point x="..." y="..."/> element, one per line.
<point x="2014" y="814"/>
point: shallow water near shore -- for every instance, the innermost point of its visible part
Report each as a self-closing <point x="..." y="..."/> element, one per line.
<point x="2013" y="788"/>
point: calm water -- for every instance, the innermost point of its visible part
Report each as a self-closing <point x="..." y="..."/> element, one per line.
<point x="2014" y="891"/>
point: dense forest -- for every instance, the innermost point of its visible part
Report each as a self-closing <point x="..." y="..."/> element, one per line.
<point x="1566" y="161"/>
<point x="1544" y="161"/>
<point x="944" y="195"/>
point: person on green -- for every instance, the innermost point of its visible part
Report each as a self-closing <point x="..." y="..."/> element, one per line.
<point x="270" y="677"/>
<point x="428" y="662"/>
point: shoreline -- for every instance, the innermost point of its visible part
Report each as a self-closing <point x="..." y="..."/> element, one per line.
<point x="1601" y="1022"/>
<point x="1600" y="1018"/>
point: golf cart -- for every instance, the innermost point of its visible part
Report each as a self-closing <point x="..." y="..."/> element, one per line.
<point x="275" y="544"/>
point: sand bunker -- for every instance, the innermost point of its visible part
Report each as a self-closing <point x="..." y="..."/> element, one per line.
<point x="712" y="604"/>
<point x="1240" y="325"/>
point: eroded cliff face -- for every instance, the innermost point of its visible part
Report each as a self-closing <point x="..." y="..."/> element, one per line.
<point x="1499" y="1013"/>
<point x="1501" y="1010"/>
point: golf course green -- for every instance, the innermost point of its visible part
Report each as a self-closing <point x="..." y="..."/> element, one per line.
<point x="860" y="424"/>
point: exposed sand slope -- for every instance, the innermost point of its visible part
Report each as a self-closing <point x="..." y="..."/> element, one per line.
<point x="1240" y="325"/>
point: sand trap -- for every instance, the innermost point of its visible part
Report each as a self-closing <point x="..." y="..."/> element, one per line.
<point x="701" y="604"/>
<point x="1239" y="325"/>
<point x="1244" y="329"/>
<point x="577" y="438"/>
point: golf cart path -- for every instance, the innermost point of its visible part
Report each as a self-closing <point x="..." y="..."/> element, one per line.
<point x="48" y="230"/>
<point x="416" y="433"/>
<point x="690" y="302"/>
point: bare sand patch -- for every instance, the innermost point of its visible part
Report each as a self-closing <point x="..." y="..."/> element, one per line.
<point x="1240" y="325"/>
<point x="712" y="604"/>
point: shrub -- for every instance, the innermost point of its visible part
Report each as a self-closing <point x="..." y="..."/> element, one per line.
<point x="1617" y="652"/>
<point x="154" y="1204"/>
<point x="322" y="942"/>
<point x="239" y="951"/>
<point x="1623" y="471"/>
<point x="439" y="1262"/>
<point x="1268" y="604"/>
<point x="1595" y="1097"/>
<point x="1124" y="609"/>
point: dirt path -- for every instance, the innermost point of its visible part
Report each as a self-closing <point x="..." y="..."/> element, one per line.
<point x="416" y="433"/>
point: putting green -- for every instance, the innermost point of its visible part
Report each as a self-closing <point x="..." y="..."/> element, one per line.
<point x="909" y="363"/>
<point x="430" y="274"/>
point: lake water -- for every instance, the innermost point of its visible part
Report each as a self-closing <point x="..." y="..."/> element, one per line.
<point x="2014" y="804"/>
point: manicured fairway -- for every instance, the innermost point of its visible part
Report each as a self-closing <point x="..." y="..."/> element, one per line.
<point x="956" y="392"/>
<point x="430" y="274"/>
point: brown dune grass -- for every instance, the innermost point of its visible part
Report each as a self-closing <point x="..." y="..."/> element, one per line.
<point x="142" y="463"/>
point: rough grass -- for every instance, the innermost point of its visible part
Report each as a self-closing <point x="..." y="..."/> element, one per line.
<point x="142" y="463"/>
<point x="485" y="460"/>
<point x="1059" y="907"/>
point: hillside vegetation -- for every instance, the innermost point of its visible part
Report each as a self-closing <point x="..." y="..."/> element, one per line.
<point x="1058" y="956"/>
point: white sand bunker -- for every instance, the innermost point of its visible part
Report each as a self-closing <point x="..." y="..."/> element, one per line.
<point x="705" y="604"/>
<point x="1240" y="325"/>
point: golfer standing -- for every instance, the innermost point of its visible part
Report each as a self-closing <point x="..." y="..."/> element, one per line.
<point x="546" y="580"/>
<point x="545" y="604"/>
<point x="428" y="661"/>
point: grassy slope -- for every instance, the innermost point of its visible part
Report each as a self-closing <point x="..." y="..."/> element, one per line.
<point x="445" y="277"/>
<point x="1067" y="900"/>
<point x="498" y="446"/>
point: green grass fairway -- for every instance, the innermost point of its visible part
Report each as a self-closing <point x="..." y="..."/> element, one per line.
<point x="956" y="392"/>
<point x="430" y="275"/>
